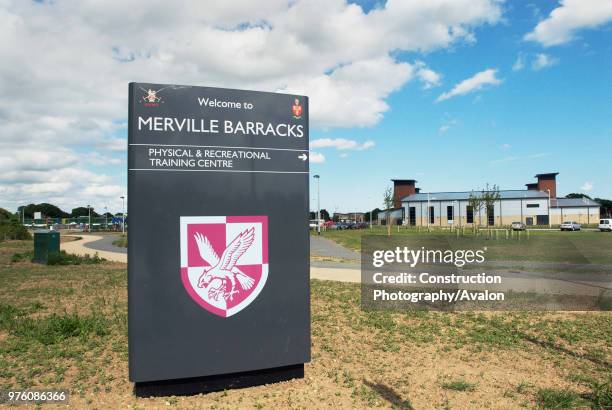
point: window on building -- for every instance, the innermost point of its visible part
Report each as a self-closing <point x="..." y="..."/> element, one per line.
<point x="431" y="215"/>
<point x="412" y="215"/>
<point x="490" y="215"/>
<point x="450" y="213"/>
<point x="469" y="210"/>
<point x="533" y="205"/>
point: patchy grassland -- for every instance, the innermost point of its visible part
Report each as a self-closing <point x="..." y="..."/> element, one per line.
<point x="541" y="246"/>
<point x="66" y="327"/>
<point x="122" y="242"/>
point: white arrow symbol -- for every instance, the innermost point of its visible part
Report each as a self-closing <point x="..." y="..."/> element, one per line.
<point x="303" y="157"/>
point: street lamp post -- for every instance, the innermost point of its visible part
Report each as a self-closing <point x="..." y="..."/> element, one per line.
<point x="105" y="218"/>
<point x="89" y="216"/>
<point x="318" y="204"/>
<point x="428" y="211"/>
<point x="457" y="215"/>
<point x="122" y="214"/>
<point x="549" y="221"/>
<point x="370" y="217"/>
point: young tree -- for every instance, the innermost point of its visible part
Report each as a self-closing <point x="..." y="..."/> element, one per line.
<point x="577" y="195"/>
<point x="83" y="211"/>
<point x="5" y="215"/>
<point x="605" y="207"/>
<point x="47" y="210"/>
<point x="490" y="195"/>
<point x="325" y="215"/>
<point x="388" y="204"/>
<point x="475" y="201"/>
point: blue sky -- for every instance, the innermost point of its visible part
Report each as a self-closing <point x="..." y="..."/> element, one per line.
<point x="553" y="119"/>
<point x="452" y="93"/>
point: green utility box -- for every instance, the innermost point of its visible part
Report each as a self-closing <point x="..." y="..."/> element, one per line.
<point x="45" y="242"/>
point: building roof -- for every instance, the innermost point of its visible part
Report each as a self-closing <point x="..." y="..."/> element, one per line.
<point x="464" y="196"/>
<point x="510" y="194"/>
<point x="572" y="202"/>
<point x="547" y="174"/>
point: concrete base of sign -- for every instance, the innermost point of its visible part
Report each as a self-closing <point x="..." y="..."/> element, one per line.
<point x="208" y="384"/>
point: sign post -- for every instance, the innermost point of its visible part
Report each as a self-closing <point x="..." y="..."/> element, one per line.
<point x="218" y="254"/>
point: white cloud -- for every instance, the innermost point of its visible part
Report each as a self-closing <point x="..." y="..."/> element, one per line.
<point x="343" y="155"/>
<point x="341" y="144"/>
<point x="322" y="47"/>
<point x="68" y="87"/>
<point x="443" y="128"/>
<point x="114" y="144"/>
<point x="427" y="76"/>
<point x="520" y="158"/>
<point x="30" y="174"/>
<point x="570" y="17"/>
<point x="352" y="95"/>
<point x="474" y="83"/>
<point x="316" y="157"/>
<point x="519" y="64"/>
<point x="542" y="60"/>
<point x="95" y="158"/>
<point x="446" y="126"/>
<point x="587" y="186"/>
<point x="505" y="146"/>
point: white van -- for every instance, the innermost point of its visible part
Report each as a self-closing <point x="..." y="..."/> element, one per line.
<point x="605" y="225"/>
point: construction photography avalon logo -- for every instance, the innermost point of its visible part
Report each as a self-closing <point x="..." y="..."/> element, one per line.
<point x="224" y="261"/>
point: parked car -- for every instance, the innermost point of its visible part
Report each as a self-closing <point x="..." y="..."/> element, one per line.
<point x="518" y="226"/>
<point x="570" y="226"/>
<point x="605" y="225"/>
<point x="313" y="224"/>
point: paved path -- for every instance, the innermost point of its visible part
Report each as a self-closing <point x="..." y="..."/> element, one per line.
<point x="540" y="282"/>
<point x="321" y="246"/>
<point x="79" y="247"/>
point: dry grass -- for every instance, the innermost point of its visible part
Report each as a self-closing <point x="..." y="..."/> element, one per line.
<point x="65" y="327"/>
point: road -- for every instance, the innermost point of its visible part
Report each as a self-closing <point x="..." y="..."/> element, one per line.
<point x="598" y="280"/>
<point x="320" y="246"/>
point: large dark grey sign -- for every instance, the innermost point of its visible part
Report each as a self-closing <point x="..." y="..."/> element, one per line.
<point x="218" y="245"/>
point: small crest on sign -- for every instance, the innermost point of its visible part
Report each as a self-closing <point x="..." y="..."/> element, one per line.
<point x="296" y="109"/>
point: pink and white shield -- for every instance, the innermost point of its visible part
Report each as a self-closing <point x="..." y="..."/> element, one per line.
<point x="224" y="260"/>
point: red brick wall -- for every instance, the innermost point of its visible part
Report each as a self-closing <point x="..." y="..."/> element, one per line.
<point x="546" y="183"/>
<point x="402" y="189"/>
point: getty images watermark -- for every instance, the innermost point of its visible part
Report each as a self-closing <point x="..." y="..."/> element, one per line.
<point x="443" y="272"/>
<point x="403" y="255"/>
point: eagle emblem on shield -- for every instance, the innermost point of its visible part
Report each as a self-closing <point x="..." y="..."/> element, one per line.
<point x="224" y="260"/>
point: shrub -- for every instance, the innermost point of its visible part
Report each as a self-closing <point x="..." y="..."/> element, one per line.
<point x="18" y="257"/>
<point x="63" y="258"/>
<point x="12" y="229"/>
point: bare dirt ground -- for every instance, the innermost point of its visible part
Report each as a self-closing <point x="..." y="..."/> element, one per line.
<point x="66" y="327"/>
